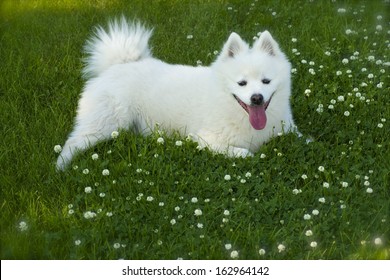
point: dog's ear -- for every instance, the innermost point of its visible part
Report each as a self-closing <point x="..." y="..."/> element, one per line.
<point x="267" y="44"/>
<point x="233" y="46"/>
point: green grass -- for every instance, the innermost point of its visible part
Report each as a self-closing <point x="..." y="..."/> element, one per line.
<point x="146" y="205"/>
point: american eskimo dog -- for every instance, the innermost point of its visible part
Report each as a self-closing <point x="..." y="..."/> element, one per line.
<point x="232" y="106"/>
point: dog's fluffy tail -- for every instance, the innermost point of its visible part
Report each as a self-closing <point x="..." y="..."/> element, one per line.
<point x="122" y="42"/>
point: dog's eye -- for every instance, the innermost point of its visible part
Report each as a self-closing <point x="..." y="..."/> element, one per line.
<point x="266" y="81"/>
<point x="242" y="83"/>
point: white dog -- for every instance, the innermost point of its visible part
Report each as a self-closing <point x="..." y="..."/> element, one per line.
<point x="230" y="107"/>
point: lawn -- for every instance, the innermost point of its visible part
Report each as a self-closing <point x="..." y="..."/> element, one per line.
<point x="160" y="197"/>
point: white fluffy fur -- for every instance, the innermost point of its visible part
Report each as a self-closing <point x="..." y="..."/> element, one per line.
<point x="129" y="89"/>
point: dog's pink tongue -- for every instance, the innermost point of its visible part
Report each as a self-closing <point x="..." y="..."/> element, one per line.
<point x="257" y="117"/>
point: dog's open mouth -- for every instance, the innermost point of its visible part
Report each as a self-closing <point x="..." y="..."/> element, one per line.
<point x="257" y="116"/>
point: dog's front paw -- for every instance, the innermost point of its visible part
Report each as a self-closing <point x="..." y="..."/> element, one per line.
<point x="240" y="152"/>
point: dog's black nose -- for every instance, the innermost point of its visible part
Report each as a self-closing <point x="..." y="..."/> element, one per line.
<point x="257" y="99"/>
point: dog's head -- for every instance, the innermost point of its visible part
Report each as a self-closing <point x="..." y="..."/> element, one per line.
<point x="254" y="76"/>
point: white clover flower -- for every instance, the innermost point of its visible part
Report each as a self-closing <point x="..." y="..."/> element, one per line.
<point x="198" y="212"/>
<point x="109" y="214"/>
<point x="339" y="73"/>
<point x="234" y="254"/>
<point x="321" y="200"/>
<point x="105" y="172"/>
<point x="340" y="98"/>
<point x="330" y="107"/>
<point x="321" y="168"/>
<point x="225" y="220"/>
<point x="263" y="156"/>
<point x="327" y="53"/>
<point x="88" y="190"/>
<point x="95" y="156"/>
<point x="77" y="242"/>
<point x="178" y="143"/>
<point x="114" y="134"/>
<point x="102" y="194"/>
<point x="23" y="226"/>
<point x="378" y="241"/>
<point x="345" y="61"/>
<point x="89" y="215"/>
<point x="341" y="10"/>
<point x="177" y="208"/>
<point x="307" y="92"/>
<point x="261" y="252"/>
<point x="228" y="246"/>
<point x="313" y="244"/>
<point x="194" y="200"/>
<point x="380" y="125"/>
<point x="226" y="212"/>
<point x="227" y="177"/>
<point x="325" y="185"/>
<point x="369" y="190"/>
<point x="304" y="176"/>
<point x="347" y="113"/>
<point x="161" y="204"/>
<point x="315" y="212"/>
<point x="71" y="212"/>
<point x="242" y="181"/>
<point x="370" y="76"/>
<point x="379" y="85"/>
<point x="379" y="27"/>
<point x="117" y="245"/>
<point x="294" y="40"/>
<point x="281" y="248"/>
<point x="86" y="171"/>
<point x="149" y="198"/>
<point x="307" y="217"/>
<point x="199" y="225"/>
<point x="248" y="174"/>
<point x="160" y="140"/>
<point x="57" y="149"/>
<point x="190" y="36"/>
<point x="173" y="221"/>
<point x="344" y="184"/>
<point x="309" y="233"/>
<point x="296" y="191"/>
